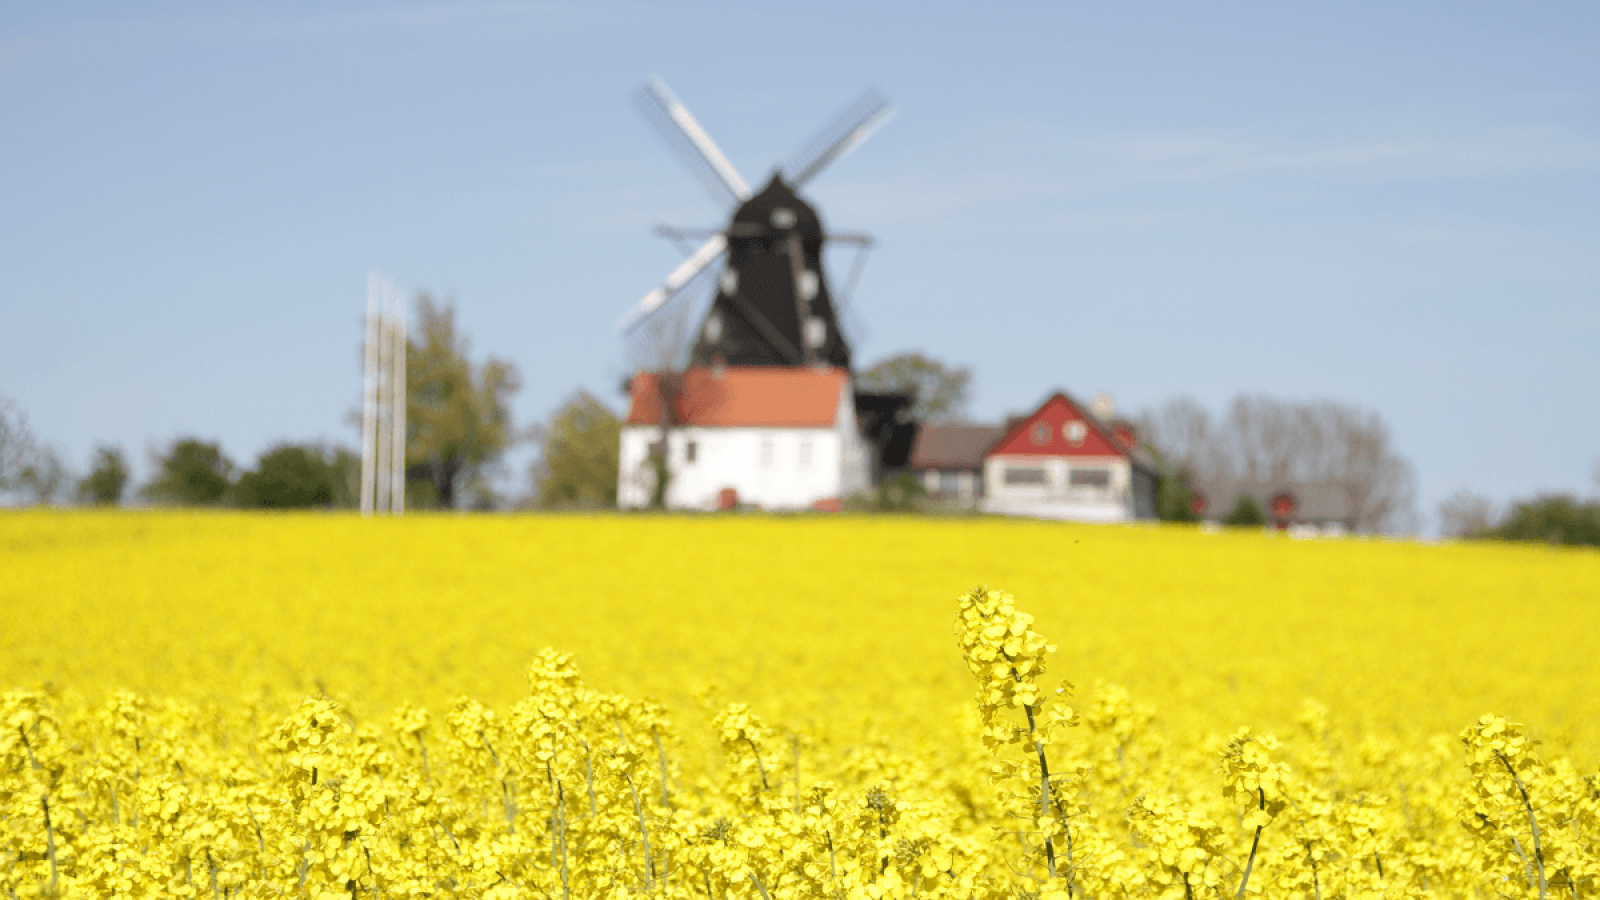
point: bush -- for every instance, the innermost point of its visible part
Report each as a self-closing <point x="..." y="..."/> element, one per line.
<point x="1555" y="519"/>
<point x="104" y="485"/>
<point x="193" y="473"/>
<point x="1246" y="511"/>
<point x="288" y="476"/>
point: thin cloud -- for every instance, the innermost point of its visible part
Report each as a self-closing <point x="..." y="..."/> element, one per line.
<point x="1202" y="157"/>
<point x="111" y="36"/>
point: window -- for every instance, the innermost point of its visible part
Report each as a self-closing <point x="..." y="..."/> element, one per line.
<point x="1040" y="433"/>
<point x="1089" y="477"/>
<point x="1075" y="431"/>
<point x="690" y="451"/>
<point x="949" y="483"/>
<point x="768" y="453"/>
<point x="1024" y="475"/>
<point x="656" y="448"/>
<point x="805" y="453"/>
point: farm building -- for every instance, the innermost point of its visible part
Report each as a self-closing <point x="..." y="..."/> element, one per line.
<point x="948" y="460"/>
<point x="1306" y="509"/>
<point x="774" y="437"/>
<point x="1064" y="462"/>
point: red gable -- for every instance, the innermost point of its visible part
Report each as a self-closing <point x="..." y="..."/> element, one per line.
<point x="1058" y="428"/>
<point x="750" y="396"/>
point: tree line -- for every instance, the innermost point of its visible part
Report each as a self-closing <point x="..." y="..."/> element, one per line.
<point x="1337" y="451"/>
<point x="458" y="418"/>
<point x="459" y="427"/>
<point x="1552" y="518"/>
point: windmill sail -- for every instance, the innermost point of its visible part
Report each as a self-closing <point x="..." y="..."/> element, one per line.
<point x="857" y="123"/>
<point x="692" y="144"/>
<point x="682" y="275"/>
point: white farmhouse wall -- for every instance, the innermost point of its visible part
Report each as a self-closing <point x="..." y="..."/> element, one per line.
<point x="1057" y="497"/>
<point x="773" y="468"/>
<point x="855" y="467"/>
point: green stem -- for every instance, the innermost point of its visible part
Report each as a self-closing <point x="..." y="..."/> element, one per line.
<point x="1533" y="824"/>
<point x="649" y="869"/>
<point x="1044" y="795"/>
<point x="50" y="841"/>
<point x="661" y="757"/>
<point x="756" y="752"/>
<point x="1256" y="842"/>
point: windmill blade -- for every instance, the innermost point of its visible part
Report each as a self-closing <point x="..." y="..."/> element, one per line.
<point x="682" y="275"/>
<point x="844" y="309"/>
<point x="851" y="237"/>
<point x="858" y="121"/>
<point x="692" y="144"/>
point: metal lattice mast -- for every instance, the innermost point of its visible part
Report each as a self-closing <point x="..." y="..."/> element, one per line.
<point x="397" y="401"/>
<point x="383" y="413"/>
<point x="369" y="399"/>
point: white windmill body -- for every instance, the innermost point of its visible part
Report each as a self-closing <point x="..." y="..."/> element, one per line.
<point x="765" y="412"/>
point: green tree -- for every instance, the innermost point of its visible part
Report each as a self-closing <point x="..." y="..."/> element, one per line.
<point x="288" y="476"/>
<point x="577" y="464"/>
<point x="1246" y="511"/>
<point x="458" y="417"/>
<point x="44" y="479"/>
<point x="1175" y="497"/>
<point x="192" y="473"/>
<point x="901" y="493"/>
<point x="1555" y="519"/>
<point x="107" y="480"/>
<point x="1174" y="489"/>
<point x="941" y="392"/>
<point x="346" y="466"/>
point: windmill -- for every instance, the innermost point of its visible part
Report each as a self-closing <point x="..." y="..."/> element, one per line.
<point x="773" y="305"/>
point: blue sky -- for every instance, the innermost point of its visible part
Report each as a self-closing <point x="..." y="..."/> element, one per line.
<point x="1392" y="205"/>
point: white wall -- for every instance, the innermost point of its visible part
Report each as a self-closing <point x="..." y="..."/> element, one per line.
<point x="1057" y="498"/>
<point x="773" y="468"/>
<point x="855" y="473"/>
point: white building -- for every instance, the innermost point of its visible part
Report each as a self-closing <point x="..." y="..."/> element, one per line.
<point x="1061" y="462"/>
<point x="773" y="437"/>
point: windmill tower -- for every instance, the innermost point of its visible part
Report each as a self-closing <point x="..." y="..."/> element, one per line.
<point x="766" y="413"/>
<point x="773" y="303"/>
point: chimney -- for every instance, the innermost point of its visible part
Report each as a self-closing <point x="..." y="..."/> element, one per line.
<point x="1103" y="407"/>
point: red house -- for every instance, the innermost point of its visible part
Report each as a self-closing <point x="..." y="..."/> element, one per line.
<point x="1064" y="462"/>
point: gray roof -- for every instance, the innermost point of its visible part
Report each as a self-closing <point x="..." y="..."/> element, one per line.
<point x="1319" y="503"/>
<point x="953" y="446"/>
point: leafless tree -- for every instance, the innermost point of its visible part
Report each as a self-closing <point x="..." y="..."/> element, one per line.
<point x="30" y="468"/>
<point x="1465" y="513"/>
<point x="1264" y="443"/>
<point x="661" y="349"/>
<point x="16" y="443"/>
<point x="1182" y="430"/>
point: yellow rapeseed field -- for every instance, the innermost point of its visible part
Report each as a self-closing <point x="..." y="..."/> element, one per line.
<point x="234" y="705"/>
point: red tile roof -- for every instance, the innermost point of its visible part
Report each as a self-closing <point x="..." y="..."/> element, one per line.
<point x="749" y="396"/>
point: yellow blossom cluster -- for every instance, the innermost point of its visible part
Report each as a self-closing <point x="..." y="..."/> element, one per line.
<point x="228" y="705"/>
